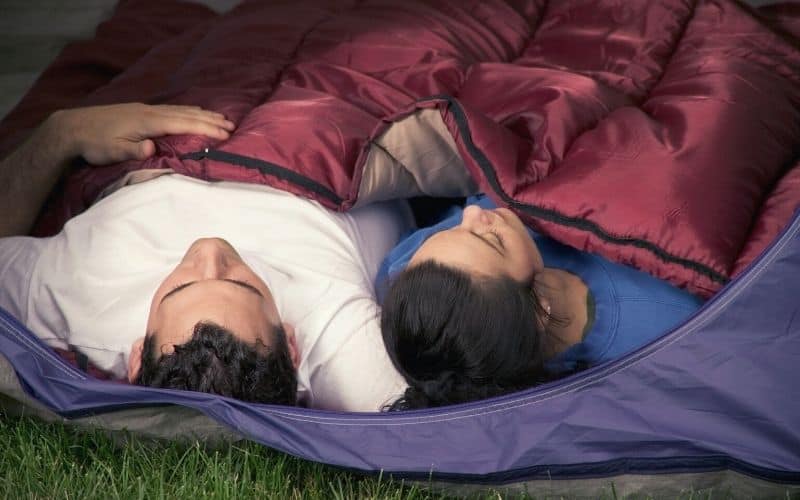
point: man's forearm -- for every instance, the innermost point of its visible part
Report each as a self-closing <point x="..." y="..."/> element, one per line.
<point x="28" y="174"/>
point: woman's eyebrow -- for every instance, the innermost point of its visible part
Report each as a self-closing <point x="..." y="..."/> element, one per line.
<point x="485" y="242"/>
<point x="242" y="284"/>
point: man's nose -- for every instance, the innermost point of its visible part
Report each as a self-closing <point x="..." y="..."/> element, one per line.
<point x="211" y="259"/>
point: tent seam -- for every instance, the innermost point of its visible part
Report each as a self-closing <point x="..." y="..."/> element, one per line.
<point x="646" y="94"/>
<point x="534" y="30"/>
<point x="292" y="58"/>
<point x="37" y="349"/>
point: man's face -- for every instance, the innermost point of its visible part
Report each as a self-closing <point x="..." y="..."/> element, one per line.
<point x="210" y="284"/>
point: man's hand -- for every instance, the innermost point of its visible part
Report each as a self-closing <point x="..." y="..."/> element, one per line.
<point x="102" y="135"/>
<point x="119" y="132"/>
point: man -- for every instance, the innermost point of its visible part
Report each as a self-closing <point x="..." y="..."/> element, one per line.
<point x="256" y="290"/>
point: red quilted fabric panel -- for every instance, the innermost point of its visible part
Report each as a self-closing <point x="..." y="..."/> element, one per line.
<point x="658" y="134"/>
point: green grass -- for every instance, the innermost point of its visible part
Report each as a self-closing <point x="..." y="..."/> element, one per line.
<point x="51" y="461"/>
<point x="39" y="460"/>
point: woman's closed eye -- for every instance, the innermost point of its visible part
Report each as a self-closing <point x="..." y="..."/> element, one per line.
<point x="494" y="239"/>
<point x="498" y="239"/>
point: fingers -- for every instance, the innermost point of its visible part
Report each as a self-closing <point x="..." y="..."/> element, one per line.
<point x="180" y="125"/>
<point x="189" y="120"/>
<point x="196" y="112"/>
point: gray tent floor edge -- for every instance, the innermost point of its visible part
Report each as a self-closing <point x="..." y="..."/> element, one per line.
<point x="723" y="484"/>
<point x="170" y="422"/>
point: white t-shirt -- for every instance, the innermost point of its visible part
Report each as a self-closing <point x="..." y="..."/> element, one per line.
<point x="90" y="286"/>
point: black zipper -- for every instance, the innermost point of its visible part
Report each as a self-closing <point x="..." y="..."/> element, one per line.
<point x="265" y="167"/>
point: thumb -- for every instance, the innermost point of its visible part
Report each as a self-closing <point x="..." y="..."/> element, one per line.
<point x="144" y="149"/>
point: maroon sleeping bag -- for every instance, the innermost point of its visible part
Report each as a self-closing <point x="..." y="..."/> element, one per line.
<point x="665" y="135"/>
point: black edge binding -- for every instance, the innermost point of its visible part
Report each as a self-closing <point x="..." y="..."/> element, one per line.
<point x="265" y="167"/>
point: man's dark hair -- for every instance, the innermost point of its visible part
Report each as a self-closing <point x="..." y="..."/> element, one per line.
<point x="456" y="338"/>
<point x="215" y="361"/>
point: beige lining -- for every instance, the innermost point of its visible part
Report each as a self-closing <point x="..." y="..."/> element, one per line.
<point x="416" y="156"/>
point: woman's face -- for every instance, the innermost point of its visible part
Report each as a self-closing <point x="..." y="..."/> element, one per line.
<point x="486" y="243"/>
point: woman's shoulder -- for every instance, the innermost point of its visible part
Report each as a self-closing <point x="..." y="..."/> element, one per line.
<point x="632" y="284"/>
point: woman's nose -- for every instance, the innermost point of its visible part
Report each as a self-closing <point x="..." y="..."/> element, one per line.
<point x="475" y="217"/>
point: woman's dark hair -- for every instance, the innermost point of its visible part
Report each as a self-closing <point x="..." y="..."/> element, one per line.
<point x="215" y="361"/>
<point x="456" y="338"/>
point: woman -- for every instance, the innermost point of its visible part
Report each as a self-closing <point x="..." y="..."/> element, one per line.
<point x="478" y="306"/>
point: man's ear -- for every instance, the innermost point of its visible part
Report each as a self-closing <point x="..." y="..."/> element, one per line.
<point x="291" y="341"/>
<point x="135" y="359"/>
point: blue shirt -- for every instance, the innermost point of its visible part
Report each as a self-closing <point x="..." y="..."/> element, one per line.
<point x="632" y="308"/>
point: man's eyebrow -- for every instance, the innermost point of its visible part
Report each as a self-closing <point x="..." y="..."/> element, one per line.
<point x="246" y="286"/>
<point x="176" y="290"/>
<point x="487" y="243"/>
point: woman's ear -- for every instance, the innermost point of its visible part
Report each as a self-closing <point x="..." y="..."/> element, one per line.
<point x="291" y="341"/>
<point x="546" y="307"/>
<point x="135" y="359"/>
<point x="541" y="293"/>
